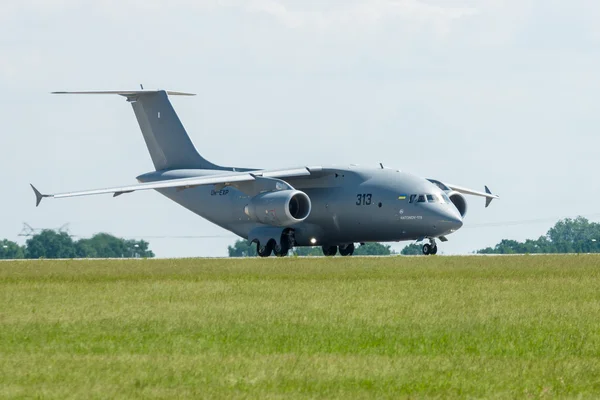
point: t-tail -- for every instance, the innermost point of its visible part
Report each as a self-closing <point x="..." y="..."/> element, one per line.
<point x="169" y="144"/>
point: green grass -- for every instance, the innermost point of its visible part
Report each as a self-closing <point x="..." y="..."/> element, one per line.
<point x="437" y="327"/>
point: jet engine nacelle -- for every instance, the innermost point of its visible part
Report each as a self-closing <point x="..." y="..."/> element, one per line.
<point x="279" y="208"/>
<point x="459" y="201"/>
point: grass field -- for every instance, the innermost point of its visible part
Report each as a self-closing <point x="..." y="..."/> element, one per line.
<point x="437" y="327"/>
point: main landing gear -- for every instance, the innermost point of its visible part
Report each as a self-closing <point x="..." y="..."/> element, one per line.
<point x="345" y="250"/>
<point x="280" y="250"/>
<point x="265" y="251"/>
<point x="329" y="251"/>
<point x="288" y="240"/>
<point x="430" y="248"/>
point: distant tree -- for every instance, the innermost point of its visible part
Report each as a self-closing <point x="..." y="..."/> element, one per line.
<point x="373" y="249"/>
<point x="242" y="248"/>
<point x="104" y="245"/>
<point x="11" y="250"/>
<point x="86" y="249"/>
<point x="566" y="236"/>
<point x="310" y="251"/>
<point x="575" y="236"/>
<point x="541" y="245"/>
<point x="140" y="248"/>
<point x="50" y="244"/>
<point x="413" y="249"/>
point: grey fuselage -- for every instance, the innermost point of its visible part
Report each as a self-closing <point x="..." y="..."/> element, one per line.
<point x="348" y="205"/>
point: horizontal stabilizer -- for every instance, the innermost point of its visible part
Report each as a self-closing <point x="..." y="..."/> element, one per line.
<point x="128" y="93"/>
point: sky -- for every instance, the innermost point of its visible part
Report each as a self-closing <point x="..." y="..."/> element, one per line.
<point x="486" y="92"/>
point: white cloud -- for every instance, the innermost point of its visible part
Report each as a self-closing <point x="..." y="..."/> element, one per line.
<point x="122" y="8"/>
<point x="360" y="14"/>
<point x="338" y="14"/>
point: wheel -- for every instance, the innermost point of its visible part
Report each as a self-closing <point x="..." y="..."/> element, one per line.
<point x="287" y="241"/>
<point x="329" y="251"/>
<point x="427" y="249"/>
<point x="265" y="251"/>
<point x="281" y="250"/>
<point x="434" y="250"/>
<point x="347" y="250"/>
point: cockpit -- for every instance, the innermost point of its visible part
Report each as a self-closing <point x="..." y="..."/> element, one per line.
<point x="429" y="198"/>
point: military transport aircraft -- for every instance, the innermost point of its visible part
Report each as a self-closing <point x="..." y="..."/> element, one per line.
<point x="333" y="207"/>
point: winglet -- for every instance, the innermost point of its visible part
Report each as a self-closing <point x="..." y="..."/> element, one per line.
<point x="488" y="200"/>
<point x="121" y="192"/>
<point x="38" y="195"/>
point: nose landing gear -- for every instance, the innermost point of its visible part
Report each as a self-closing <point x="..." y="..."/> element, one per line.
<point x="430" y="248"/>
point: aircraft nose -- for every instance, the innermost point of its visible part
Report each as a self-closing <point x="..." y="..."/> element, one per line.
<point x="449" y="219"/>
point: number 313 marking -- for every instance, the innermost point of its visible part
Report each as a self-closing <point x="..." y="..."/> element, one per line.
<point x="363" y="199"/>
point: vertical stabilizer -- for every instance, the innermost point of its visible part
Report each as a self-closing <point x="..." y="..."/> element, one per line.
<point x="169" y="145"/>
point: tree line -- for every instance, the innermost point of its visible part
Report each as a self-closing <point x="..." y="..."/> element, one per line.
<point x="52" y="244"/>
<point x="576" y="235"/>
<point x="242" y="248"/>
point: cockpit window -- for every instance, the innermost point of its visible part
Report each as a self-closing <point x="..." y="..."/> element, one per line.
<point x="429" y="198"/>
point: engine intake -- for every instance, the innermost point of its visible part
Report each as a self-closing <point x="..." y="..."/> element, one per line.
<point x="459" y="202"/>
<point x="280" y="208"/>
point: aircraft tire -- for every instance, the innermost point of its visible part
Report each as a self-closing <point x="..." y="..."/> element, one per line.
<point x="281" y="250"/>
<point x="347" y="250"/>
<point x="329" y="251"/>
<point x="427" y="249"/>
<point x="265" y="251"/>
<point x="434" y="250"/>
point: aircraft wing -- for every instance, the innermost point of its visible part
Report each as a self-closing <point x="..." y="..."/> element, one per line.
<point x="448" y="186"/>
<point x="221" y="179"/>
<point x="487" y="194"/>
